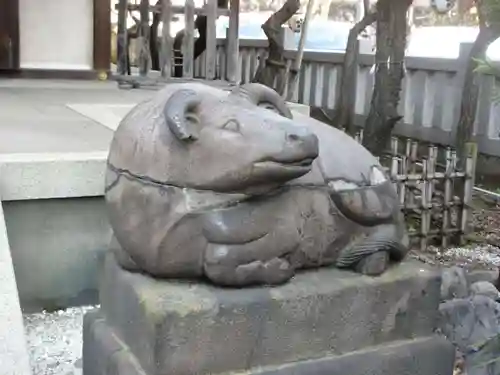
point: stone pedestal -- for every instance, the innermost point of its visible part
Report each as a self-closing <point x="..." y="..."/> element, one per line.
<point x="322" y="322"/>
<point x="14" y="357"/>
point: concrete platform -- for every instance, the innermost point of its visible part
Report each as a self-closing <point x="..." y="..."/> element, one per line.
<point x="35" y="116"/>
<point x="59" y="116"/>
<point x="47" y="148"/>
<point x="175" y="328"/>
<point x="55" y="135"/>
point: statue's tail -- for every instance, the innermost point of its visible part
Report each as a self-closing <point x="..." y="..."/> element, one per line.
<point x="387" y="237"/>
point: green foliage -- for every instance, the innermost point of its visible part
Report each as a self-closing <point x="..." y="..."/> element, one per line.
<point x="486" y="67"/>
<point x="491" y="11"/>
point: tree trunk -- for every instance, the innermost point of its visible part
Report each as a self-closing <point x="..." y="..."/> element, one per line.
<point x="344" y="107"/>
<point x="274" y="67"/>
<point x="470" y="93"/>
<point x="389" y="73"/>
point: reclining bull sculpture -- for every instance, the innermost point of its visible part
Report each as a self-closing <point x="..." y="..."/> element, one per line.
<point x="203" y="182"/>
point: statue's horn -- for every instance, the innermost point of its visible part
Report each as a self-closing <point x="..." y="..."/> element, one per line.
<point x="260" y="94"/>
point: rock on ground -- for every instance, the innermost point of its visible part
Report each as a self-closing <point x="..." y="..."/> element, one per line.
<point x="470" y="318"/>
<point x="454" y="283"/>
<point x="485" y="288"/>
<point x="470" y="321"/>
<point x="473" y="325"/>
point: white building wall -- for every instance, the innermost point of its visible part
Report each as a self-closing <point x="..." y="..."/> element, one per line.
<point x="56" y="34"/>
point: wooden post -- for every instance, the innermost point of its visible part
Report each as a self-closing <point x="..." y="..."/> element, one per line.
<point x="233" y="45"/>
<point x="294" y="70"/>
<point x="102" y="37"/>
<point x="412" y="151"/>
<point x="121" y="38"/>
<point x="395" y="165"/>
<point x="188" y="41"/>
<point x="166" y="40"/>
<point x="447" y="199"/>
<point x="424" y="204"/>
<point x="431" y="169"/>
<point x="144" y="52"/>
<point x="403" y="171"/>
<point x="211" y="50"/>
<point x="469" y="174"/>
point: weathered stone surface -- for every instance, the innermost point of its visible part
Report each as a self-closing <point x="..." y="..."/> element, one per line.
<point x="14" y="358"/>
<point x="471" y="321"/>
<point x="103" y="352"/>
<point x="454" y="283"/>
<point x="427" y="356"/>
<point x="422" y="356"/>
<point x="182" y="327"/>
<point x="230" y="187"/>
<point x="485" y="358"/>
<point x="482" y="275"/>
<point x="485" y="288"/>
<point x="473" y="325"/>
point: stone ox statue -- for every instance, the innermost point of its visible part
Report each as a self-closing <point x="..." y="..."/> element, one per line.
<point x="203" y="182"/>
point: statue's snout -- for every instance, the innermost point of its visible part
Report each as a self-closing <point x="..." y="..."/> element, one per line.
<point x="308" y="142"/>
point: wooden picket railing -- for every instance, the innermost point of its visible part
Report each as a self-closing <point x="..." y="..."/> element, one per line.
<point x="434" y="194"/>
<point x="169" y="58"/>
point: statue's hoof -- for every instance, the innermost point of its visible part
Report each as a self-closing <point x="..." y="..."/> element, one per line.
<point x="374" y="264"/>
<point x="278" y="271"/>
<point x="275" y="271"/>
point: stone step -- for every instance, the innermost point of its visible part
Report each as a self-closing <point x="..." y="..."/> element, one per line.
<point x="190" y="327"/>
<point x="105" y="353"/>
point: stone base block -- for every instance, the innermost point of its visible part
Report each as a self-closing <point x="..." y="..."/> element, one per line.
<point x="105" y="354"/>
<point x="174" y="327"/>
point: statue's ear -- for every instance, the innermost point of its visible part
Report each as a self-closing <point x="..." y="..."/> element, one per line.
<point x="180" y="113"/>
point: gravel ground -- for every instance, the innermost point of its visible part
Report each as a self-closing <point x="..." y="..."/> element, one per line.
<point x="483" y="248"/>
<point x="55" y="341"/>
<point x="472" y="256"/>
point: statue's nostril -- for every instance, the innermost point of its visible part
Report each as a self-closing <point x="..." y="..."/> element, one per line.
<point x="293" y="137"/>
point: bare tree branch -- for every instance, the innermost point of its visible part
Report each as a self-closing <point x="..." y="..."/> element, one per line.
<point x="274" y="67"/>
<point x="366" y="6"/>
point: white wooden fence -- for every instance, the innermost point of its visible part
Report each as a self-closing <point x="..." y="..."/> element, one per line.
<point x="430" y="99"/>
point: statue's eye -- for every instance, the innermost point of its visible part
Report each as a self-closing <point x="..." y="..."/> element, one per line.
<point x="232" y="125"/>
<point x="269" y="106"/>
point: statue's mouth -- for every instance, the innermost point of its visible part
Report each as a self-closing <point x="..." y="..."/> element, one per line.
<point x="298" y="163"/>
<point x="291" y="165"/>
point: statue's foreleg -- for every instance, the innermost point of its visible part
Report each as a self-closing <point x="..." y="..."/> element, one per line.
<point x="262" y="261"/>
